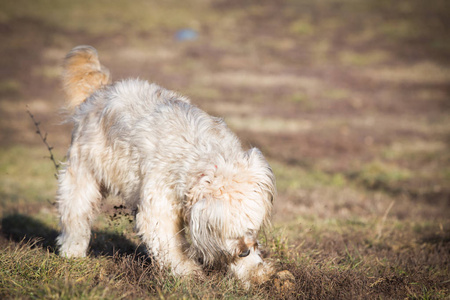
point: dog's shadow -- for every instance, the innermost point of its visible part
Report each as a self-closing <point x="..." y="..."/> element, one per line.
<point x="23" y="228"/>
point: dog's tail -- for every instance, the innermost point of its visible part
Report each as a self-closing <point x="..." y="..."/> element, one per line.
<point x="82" y="75"/>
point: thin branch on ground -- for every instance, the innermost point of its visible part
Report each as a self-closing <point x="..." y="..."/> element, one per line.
<point x="44" y="140"/>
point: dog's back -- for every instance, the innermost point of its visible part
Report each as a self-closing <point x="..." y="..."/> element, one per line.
<point x="131" y="119"/>
<point x="82" y="75"/>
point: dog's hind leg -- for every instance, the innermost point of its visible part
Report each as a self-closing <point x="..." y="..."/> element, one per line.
<point x="161" y="227"/>
<point x="77" y="198"/>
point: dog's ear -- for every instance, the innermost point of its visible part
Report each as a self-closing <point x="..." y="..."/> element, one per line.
<point x="262" y="173"/>
<point x="199" y="186"/>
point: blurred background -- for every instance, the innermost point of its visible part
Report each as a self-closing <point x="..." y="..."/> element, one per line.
<point x="348" y="100"/>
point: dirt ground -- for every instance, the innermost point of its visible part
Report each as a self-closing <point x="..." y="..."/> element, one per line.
<point x="348" y="100"/>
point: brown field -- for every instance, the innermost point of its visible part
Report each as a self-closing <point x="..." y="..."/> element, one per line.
<point x="349" y="101"/>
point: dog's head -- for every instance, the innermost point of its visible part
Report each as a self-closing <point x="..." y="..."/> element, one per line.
<point x="231" y="202"/>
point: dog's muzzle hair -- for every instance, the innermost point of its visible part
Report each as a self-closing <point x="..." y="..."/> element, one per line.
<point x="183" y="171"/>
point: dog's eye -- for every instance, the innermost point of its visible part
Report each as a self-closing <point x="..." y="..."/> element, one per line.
<point x="245" y="254"/>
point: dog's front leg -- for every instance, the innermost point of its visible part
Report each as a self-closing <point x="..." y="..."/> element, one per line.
<point x="161" y="227"/>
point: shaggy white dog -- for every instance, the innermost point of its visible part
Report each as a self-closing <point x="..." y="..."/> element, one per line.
<point x="183" y="171"/>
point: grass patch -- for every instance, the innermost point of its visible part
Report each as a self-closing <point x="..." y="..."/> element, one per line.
<point x="302" y="27"/>
<point x="26" y="175"/>
<point x="363" y="59"/>
<point x="30" y="272"/>
<point x="377" y="175"/>
<point x="291" y="178"/>
<point x="10" y="87"/>
<point x="436" y="73"/>
<point x="337" y="94"/>
<point x="95" y="17"/>
<point x="299" y="97"/>
<point x="336" y="258"/>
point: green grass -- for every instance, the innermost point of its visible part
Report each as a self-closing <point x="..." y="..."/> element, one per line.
<point x="363" y="59"/>
<point x="31" y="272"/>
<point x="27" y="176"/>
<point x="322" y="253"/>
<point x="331" y="253"/>
<point x="378" y="174"/>
<point x="291" y="178"/>
<point x="94" y="17"/>
<point x="9" y="87"/>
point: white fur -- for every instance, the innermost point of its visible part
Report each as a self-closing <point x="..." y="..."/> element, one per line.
<point x="183" y="170"/>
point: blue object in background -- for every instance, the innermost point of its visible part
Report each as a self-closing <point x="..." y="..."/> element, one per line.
<point x="186" y="35"/>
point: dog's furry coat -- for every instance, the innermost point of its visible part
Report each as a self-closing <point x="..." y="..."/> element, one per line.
<point x="184" y="171"/>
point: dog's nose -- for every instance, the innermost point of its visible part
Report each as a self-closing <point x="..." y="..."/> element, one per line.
<point x="245" y="254"/>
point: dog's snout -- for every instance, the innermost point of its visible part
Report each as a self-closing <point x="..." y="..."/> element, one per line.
<point x="245" y="254"/>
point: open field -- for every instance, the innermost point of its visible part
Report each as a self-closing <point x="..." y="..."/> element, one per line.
<point x="349" y="101"/>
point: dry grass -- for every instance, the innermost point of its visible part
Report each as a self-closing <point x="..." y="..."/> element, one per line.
<point x="332" y="259"/>
<point x="347" y="99"/>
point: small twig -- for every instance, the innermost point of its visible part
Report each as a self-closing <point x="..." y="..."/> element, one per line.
<point x="44" y="140"/>
<point x="383" y="220"/>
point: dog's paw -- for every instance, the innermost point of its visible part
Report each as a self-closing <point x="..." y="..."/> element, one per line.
<point x="284" y="282"/>
<point x="188" y="268"/>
